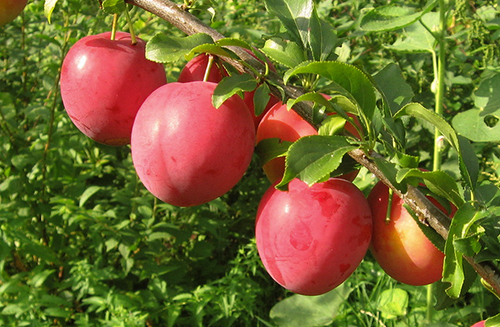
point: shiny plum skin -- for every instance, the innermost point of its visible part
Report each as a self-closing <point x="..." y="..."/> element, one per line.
<point x="287" y="125"/>
<point x="103" y="84"/>
<point x="311" y="239"/>
<point x="479" y="324"/>
<point x="185" y="151"/>
<point x="399" y="246"/>
<point x="10" y="9"/>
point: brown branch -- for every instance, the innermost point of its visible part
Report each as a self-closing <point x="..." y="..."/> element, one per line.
<point x="425" y="210"/>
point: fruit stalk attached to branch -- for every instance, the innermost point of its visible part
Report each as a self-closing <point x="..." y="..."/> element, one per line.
<point x="426" y="211"/>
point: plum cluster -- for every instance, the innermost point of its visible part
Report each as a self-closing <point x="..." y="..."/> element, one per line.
<point x="186" y="152"/>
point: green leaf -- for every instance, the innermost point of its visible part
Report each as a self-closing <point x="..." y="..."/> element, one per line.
<point x="350" y="78"/>
<point x="284" y="52"/>
<point x="481" y="123"/>
<point x="468" y="166"/>
<point x="210" y="48"/>
<point x="231" y="85"/>
<point x="393" y="303"/>
<point x="475" y="124"/>
<point x="416" y="38"/>
<point x="295" y="16"/>
<point x="322" y="38"/>
<point x="309" y="311"/>
<point x="40" y="278"/>
<point x="493" y="321"/>
<point x="269" y="149"/>
<point x="113" y="6"/>
<point x="453" y="271"/>
<point x="165" y="49"/>
<point x="332" y="125"/>
<point x="261" y="98"/>
<point x="390" y="82"/>
<point x="312" y="158"/>
<point x="392" y="17"/>
<point x="87" y="194"/>
<point x="438" y="182"/>
<point x="48" y="8"/>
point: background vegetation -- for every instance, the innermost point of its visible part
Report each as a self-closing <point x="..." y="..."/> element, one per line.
<point x="82" y="243"/>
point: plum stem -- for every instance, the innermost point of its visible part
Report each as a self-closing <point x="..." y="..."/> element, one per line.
<point x="389" y="206"/>
<point x="209" y="67"/>
<point x="130" y="26"/>
<point x="114" y="27"/>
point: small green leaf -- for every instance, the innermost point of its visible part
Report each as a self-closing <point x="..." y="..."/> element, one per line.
<point x="392" y="17"/>
<point x="309" y="311"/>
<point x="113" y="6"/>
<point x="416" y="37"/>
<point x="481" y="123"/>
<point x="162" y="48"/>
<point x="332" y="125"/>
<point x="87" y="194"/>
<point x="467" y="165"/>
<point x="393" y="302"/>
<point x="438" y="182"/>
<point x="230" y="86"/>
<point x="493" y="321"/>
<point x="348" y="77"/>
<point x="48" y="8"/>
<point x="284" y="52"/>
<point x="295" y="16"/>
<point x="312" y="158"/>
<point x="269" y="149"/>
<point x="322" y="38"/>
<point x="261" y="98"/>
<point x="390" y="82"/>
<point x="453" y="270"/>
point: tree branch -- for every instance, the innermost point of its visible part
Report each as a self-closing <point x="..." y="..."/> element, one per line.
<point x="425" y="210"/>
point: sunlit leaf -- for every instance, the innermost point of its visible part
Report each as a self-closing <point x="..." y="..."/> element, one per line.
<point x="309" y="311"/>
<point x="230" y="86"/>
<point x="391" y="17"/>
<point x="312" y="158"/>
<point x="163" y="48"/>
<point x="295" y="16"/>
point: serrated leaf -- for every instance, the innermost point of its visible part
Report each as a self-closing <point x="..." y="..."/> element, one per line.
<point x="87" y="194"/>
<point x="392" y="17"/>
<point x="164" y="49"/>
<point x="312" y="158"/>
<point x="416" y="38"/>
<point x="230" y="86"/>
<point x="350" y="78"/>
<point x="207" y="48"/>
<point x="309" y="311"/>
<point x="261" y="98"/>
<point x="453" y="271"/>
<point x="331" y="105"/>
<point x="332" y="125"/>
<point x="48" y="8"/>
<point x="284" y="52"/>
<point x="438" y="182"/>
<point x="322" y="38"/>
<point x="269" y="149"/>
<point x="467" y="165"/>
<point x="113" y="6"/>
<point x="295" y="16"/>
<point x="390" y="82"/>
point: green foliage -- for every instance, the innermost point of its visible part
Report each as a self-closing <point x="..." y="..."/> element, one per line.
<point x="83" y="243"/>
